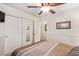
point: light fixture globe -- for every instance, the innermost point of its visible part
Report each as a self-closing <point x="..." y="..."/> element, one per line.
<point x="45" y="8"/>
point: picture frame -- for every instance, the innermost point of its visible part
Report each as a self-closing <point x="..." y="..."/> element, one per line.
<point x="63" y="25"/>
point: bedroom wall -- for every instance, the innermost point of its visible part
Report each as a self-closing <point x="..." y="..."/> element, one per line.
<point x="67" y="36"/>
<point x="18" y="14"/>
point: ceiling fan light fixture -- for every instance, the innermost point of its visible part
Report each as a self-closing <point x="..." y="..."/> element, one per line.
<point x="45" y="8"/>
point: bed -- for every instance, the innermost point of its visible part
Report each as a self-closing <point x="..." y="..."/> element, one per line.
<point x="41" y="49"/>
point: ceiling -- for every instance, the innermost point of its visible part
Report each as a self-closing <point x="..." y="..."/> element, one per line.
<point x="35" y="11"/>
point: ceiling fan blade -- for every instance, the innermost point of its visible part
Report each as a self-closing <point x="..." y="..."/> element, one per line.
<point x="44" y="4"/>
<point x="55" y="4"/>
<point x="34" y="6"/>
<point x="51" y="11"/>
<point x="40" y="12"/>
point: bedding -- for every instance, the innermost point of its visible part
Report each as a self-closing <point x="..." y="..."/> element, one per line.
<point x="40" y="49"/>
<point x="61" y="50"/>
<point x="14" y="53"/>
<point x="74" y="52"/>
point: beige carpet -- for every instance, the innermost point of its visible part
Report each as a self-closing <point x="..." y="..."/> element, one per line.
<point x="60" y="50"/>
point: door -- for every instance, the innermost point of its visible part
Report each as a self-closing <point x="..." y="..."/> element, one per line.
<point x="13" y="30"/>
<point x="36" y="32"/>
<point x="2" y="39"/>
<point x="27" y="32"/>
<point x="44" y="30"/>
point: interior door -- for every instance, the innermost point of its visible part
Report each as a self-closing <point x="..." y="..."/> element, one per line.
<point x="36" y="31"/>
<point x="13" y="32"/>
<point x="43" y="31"/>
<point x="27" y="32"/>
<point x="2" y="39"/>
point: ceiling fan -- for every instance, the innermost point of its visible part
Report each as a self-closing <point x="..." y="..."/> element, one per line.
<point x="46" y="7"/>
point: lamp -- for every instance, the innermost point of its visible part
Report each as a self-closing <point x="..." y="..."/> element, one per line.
<point x="45" y="8"/>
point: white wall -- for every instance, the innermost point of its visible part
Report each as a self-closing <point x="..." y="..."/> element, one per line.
<point x="67" y="36"/>
<point x="17" y="14"/>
